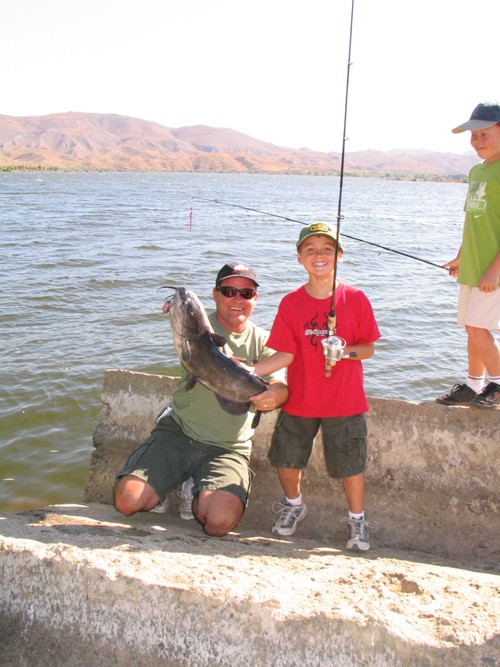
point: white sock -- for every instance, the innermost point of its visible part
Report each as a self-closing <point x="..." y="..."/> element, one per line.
<point x="357" y="517"/>
<point x="495" y="379"/>
<point x="295" y="502"/>
<point x="475" y="383"/>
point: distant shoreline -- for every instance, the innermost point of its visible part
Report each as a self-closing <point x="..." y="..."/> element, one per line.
<point x="437" y="178"/>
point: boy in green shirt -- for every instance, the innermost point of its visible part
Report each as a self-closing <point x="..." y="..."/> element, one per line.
<point x="477" y="265"/>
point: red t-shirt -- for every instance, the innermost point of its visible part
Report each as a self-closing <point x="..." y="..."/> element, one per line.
<point x="300" y="325"/>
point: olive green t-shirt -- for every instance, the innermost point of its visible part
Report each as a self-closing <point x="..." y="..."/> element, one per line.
<point x="198" y="412"/>
<point x="481" y="234"/>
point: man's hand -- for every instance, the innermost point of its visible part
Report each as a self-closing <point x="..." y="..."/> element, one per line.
<point x="274" y="397"/>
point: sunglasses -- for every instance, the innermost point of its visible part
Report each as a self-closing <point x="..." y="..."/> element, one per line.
<point x="230" y="292"/>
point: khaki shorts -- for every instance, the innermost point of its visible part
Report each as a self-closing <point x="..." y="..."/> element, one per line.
<point x="344" y="443"/>
<point x="478" y="309"/>
<point x="169" y="457"/>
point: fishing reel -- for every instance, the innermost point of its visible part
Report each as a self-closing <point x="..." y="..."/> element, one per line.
<point x="333" y="349"/>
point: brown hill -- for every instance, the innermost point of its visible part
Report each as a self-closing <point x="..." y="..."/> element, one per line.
<point x="92" y="141"/>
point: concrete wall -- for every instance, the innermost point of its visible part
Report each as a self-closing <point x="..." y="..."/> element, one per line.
<point x="85" y="586"/>
<point x="432" y="479"/>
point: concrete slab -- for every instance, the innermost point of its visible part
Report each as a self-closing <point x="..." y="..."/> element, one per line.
<point x="82" y="585"/>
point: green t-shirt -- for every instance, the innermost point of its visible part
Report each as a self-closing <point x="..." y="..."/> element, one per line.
<point x="481" y="235"/>
<point x="198" y="412"/>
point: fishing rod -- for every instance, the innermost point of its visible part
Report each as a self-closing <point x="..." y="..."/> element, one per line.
<point x="333" y="346"/>
<point x="301" y="222"/>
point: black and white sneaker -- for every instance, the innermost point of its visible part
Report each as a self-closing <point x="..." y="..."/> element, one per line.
<point x="461" y="394"/>
<point x="488" y="398"/>
<point x="359" y="535"/>
<point x="290" y="515"/>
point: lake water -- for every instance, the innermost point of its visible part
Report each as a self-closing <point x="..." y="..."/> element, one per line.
<point x="83" y="255"/>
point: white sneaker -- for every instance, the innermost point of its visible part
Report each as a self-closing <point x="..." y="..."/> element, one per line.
<point x="162" y="507"/>
<point x="359" y="535"/>
<point x="290" y="515"/>
<point x="186" y="496"/>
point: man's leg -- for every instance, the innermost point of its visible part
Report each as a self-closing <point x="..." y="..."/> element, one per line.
<point x="133" y="494"/>
<point x="218" y="511"/>
<point x="223" y="480"/>
<point x="155" y="468"/>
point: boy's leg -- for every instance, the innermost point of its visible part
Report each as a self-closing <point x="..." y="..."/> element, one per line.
<point x="345" y="447"/>
<point x="478" y="313"/>
<point x="483" y="352"/>
<point x="354" y="488"/>
<point x="291" y="447"/>
<point x="290" y="479"/>
<point x="475" y="365"/>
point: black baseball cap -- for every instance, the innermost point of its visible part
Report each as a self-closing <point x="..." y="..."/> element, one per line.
<point x="236" y="270"/>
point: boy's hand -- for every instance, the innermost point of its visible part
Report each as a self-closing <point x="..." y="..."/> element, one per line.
<point x="489" y="281"/>
<point x="242" y="364"/>
<point x="452" y="267"/>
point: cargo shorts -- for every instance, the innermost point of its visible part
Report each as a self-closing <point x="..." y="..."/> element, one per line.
<point x="168" y="457"/>
<point x="344" y="443"/>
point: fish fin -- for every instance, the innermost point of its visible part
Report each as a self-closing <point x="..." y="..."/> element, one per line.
<point x="256" y="418"/>
<point x="218" y="340"/>
<point x="233" y="407"/>
<point x="191" y="380"/>
<point x="186" y="351"/>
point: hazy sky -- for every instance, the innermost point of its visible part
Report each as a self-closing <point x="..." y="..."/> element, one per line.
<point x="273" y="69"/>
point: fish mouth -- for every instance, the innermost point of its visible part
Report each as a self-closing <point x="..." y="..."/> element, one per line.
<point x="167" y="301"/>
<point x="186" y="312"/>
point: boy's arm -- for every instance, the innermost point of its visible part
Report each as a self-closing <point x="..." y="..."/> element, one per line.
<point x="361" y="351"/>
<point x="273" y="363"/>
<point x="453" y="265"/>
<point x="489" y="279"/>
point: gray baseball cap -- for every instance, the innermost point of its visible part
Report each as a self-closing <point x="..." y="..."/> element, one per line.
<point x="484" y="115"/>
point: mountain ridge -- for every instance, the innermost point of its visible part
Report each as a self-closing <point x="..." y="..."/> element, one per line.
<point x="94" y="141"/>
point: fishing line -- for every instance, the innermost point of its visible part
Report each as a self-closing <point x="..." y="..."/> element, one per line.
<point x="301" y="222"/>
<point x="331" y="316"/>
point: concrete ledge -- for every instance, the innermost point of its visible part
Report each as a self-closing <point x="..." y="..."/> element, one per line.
<point x="432" y="479"/>
<point x="84" y="586"/>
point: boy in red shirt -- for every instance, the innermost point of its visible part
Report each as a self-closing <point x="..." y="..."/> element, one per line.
<point x="336" y="404"/>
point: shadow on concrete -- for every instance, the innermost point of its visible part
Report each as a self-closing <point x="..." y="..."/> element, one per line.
<point x="102" y="527"/>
